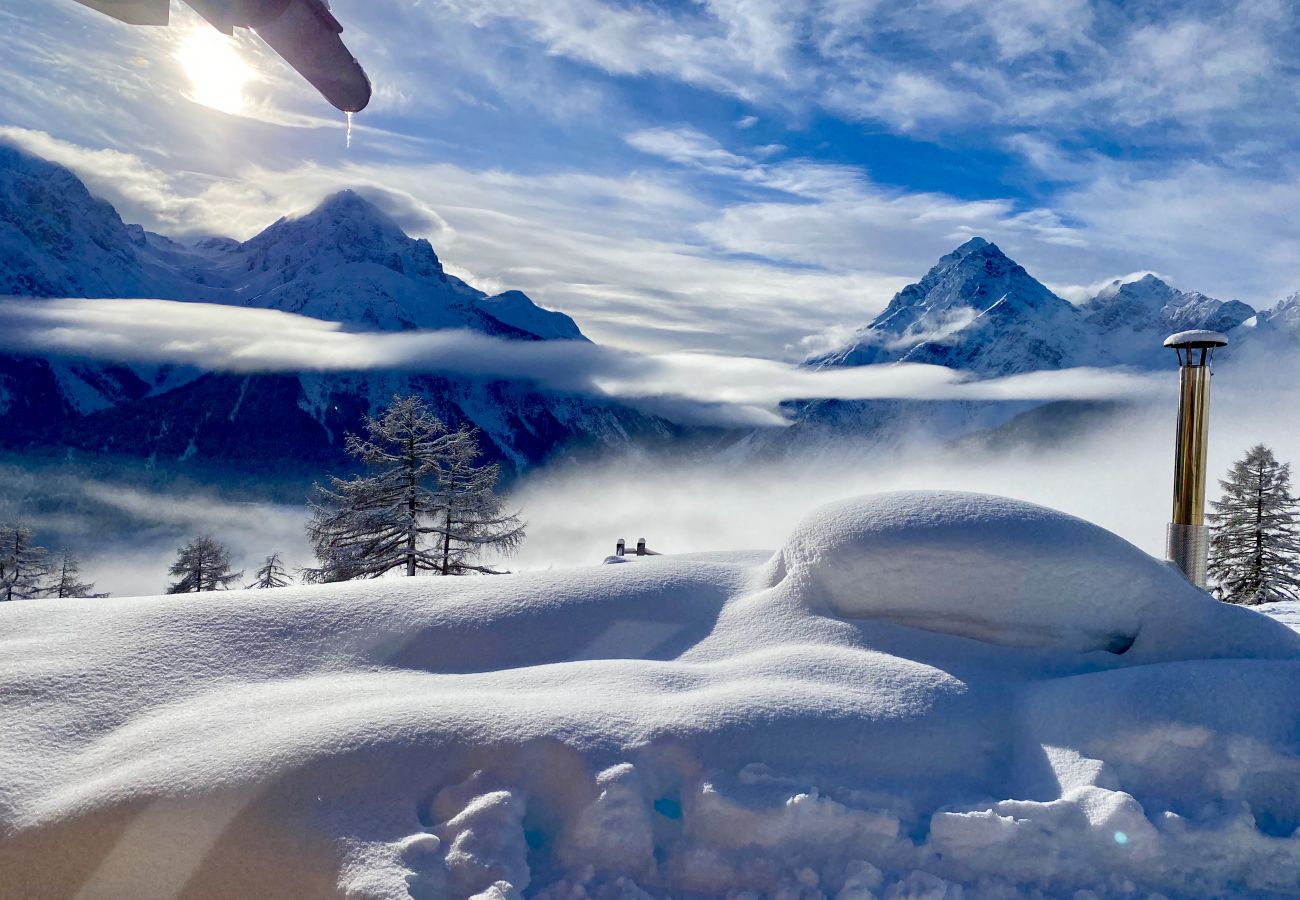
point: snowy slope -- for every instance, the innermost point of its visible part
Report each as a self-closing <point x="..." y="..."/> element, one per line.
<point x="1288" y="613"/>
<point x="345" y="261"/>
<point x="919" y="695"/>
<point x="1134" y="317"/>
<point x="58" y="240"/>
<point x="975" y="309"/>
<point x="980" y="311"/>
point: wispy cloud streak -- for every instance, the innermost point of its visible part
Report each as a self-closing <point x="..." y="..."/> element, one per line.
<point x="737" y="388"/>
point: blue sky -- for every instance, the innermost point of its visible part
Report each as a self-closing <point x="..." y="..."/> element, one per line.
<point x="748" y="176"/>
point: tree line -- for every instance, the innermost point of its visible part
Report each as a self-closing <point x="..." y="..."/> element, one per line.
<point x="28" y="571"/>
<point x="423" y="504"/>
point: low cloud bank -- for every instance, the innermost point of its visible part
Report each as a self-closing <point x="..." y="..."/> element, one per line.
<point x="1118" y="472"/>
<point x="723" y="389"/>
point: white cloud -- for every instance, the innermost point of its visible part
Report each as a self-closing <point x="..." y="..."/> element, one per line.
<point x="744" y="389"/>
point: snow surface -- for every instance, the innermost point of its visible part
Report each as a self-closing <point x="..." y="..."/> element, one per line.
<point x="1196" y="336"/>
<point x="921" y="695"/>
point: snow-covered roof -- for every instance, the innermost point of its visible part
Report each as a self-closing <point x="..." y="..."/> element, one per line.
<point x="1197" y="339"/>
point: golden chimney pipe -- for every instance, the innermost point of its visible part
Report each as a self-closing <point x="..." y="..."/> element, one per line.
<point x="1187" y="539"/>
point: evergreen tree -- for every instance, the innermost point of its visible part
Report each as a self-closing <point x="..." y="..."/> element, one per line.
<point x="202" y="565"/>
<point x="272" y="574"/>
<point x="23" y="565"/>
<point x="65" y="583"/>
<point x="422" y="506"/>
<point x="472" y="517"/>
<point x="1255" y="538"/>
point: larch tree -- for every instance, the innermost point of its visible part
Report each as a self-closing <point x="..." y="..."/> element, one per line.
<point x="396" y="515"/>
<point x="66" y="579"/>
<point x="272" y="574"/>
<point x="473" y="516"/>
<point x="1255" y="532"/>
<point x="202" y="565"/>
<point x="23" y="565"/>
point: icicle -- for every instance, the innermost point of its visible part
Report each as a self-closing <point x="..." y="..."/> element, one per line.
<point x="349" y="130"/>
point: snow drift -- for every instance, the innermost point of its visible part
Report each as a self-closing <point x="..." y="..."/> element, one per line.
<point x="920" y="695"/>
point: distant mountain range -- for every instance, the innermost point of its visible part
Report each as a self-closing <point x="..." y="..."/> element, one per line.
<point x="345" y="261"/>
<point x="980" y="311"/>
<point x="977" y="310"/>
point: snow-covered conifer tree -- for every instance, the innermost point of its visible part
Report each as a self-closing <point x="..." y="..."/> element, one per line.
<point x="371" y="524"/>
<point x="67" y="570"/>
<point x="1255" y="537"/>
<point x="272" y="574"/>
<point x="202" y="565"/>
<point x="397" y="516"/>
<point x="472" y="514"/>
<point x="23" y="565"/>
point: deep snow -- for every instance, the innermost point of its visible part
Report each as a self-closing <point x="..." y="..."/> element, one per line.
<point x="921" y="695"/>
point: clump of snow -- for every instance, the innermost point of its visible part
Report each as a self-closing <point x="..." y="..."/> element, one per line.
<point x="919" y="696"/>
<point x="997" y="570"/>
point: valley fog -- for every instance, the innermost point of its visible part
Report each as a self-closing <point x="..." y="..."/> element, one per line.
<point x="1117" y="474"/>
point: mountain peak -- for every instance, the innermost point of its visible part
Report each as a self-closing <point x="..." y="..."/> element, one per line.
<point x="56" y="238"/>
<point x="975" y="309"/>
<point x="974" y="245"/>
<point x="347" y="204"/>
<point x="1145" y="291"/>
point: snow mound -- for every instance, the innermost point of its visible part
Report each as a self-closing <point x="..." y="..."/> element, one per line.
<point x="920" y="695"/>
<point x="983" y="567"/>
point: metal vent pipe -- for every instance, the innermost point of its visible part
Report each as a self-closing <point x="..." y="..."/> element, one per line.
<point x="1187" y="540"/>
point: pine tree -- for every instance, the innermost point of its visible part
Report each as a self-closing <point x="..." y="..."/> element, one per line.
<point x="472" y="514"/>
<point x="272" y="574"/>
<point x="65" y="583"/>
<point x="202" y="565"/>
<point x="1255" y="542"/>
<point x="23" y="565"/>
<point x="422" y="507"/>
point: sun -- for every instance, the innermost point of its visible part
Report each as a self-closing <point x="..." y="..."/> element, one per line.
<point x="216" y="71"/>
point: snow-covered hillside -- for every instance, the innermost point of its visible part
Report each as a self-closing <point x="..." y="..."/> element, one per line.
<point x="1133" y="318"/>
<point x="345" y="261"/>
<point x="976" y="310"/>
<point x="919" y="696"/>
<point x="980" y="311"/>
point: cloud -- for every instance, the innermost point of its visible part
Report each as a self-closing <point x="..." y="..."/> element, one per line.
<point x="723" y="45"/>
<point x="732" y="390"/>
<point x="1082" y="293"/>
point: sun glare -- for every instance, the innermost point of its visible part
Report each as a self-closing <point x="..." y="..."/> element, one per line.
<point x="216" y="71"/>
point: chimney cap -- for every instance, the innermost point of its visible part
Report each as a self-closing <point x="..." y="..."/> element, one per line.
<point x="1195" y="340"/>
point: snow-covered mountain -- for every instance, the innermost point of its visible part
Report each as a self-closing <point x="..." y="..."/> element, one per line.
<point x="980" y="311"/>
<point x="56" y="240"/>
<point x="345" y="261"/>
<point x="977" y="310"/>
<point x="1132" y="318"/>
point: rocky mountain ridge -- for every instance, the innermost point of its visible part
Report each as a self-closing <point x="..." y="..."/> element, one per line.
<point x="980" y="311"/>
<point x="345" y="261"/>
